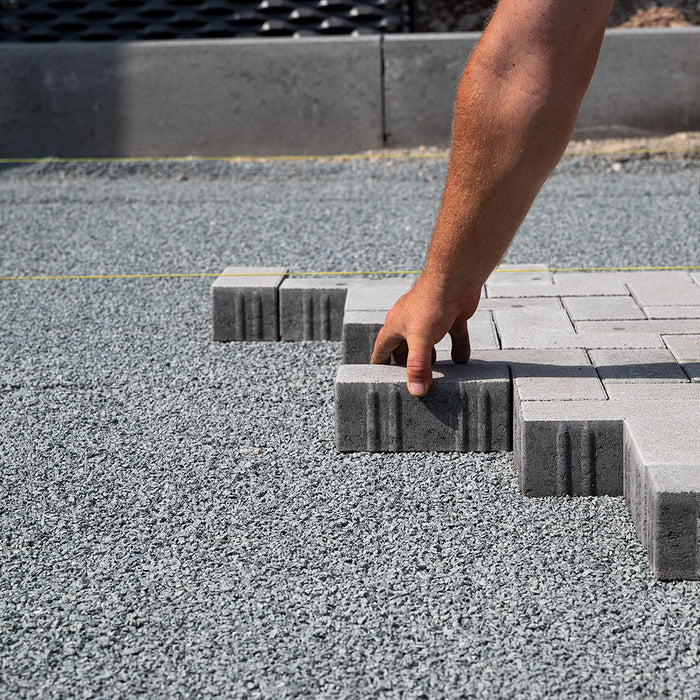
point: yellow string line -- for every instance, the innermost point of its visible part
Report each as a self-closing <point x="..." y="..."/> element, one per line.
<point x="329" y="273"/>
<point x="351" y="156"/>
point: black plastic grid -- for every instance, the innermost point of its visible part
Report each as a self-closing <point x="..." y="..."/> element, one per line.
<point x="115" y="20"/>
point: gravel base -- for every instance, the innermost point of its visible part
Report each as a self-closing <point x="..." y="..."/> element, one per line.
<point x="176" y="521"/>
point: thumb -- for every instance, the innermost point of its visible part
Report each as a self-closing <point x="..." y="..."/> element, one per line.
<point x="419" y="372"/>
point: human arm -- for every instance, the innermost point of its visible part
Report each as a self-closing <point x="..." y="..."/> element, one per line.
<point x="515" y="110"/>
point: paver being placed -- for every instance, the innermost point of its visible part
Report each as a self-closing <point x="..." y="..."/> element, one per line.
<point x="593" y="379"/>
<point x="467" y="409"/>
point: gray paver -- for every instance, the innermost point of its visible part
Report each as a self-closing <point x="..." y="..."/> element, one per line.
<point x="245" y="303"/>
<point x="662" y="488"/>
<point x="376" y="295"/>
<point x="499" y="303"/>
<point x="686" y="350"/>
<point x="595" y="308"/>
<point x="506" y="276"/>
<point x="672" y="311"/>
<point x="312" y="309"/>
<point x="468" y="408"/>
<point x="360" y="330"/>
<point x="565" y="284"/>
<point x="532" y="327"/>
<point x="662" y="288"/>
<point x="560" y="384"/>
<point x="653" y="391"/>
<point x="660" y="326"/>
<point x="637" y="366"/>
<point x="571" y="448"/>
<point x="550" y="327"/>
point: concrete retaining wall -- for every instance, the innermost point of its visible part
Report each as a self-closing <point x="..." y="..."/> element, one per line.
<point x="302" y="96"/>
<point x="178" y="98"/>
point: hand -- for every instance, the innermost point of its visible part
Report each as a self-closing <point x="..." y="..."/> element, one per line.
<point x="418" y="321"/>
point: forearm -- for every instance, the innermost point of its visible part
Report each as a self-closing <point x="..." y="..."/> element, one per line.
<point x="515" y="110"/>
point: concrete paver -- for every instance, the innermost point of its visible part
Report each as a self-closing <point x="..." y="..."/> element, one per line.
<point x="245" y="303"/>
<point x="594" y="308"/>
<point x="658" y="326"/>
<point x="467" y="409"/>
<point x="686" y="350"/>
<point x="648" y="365"/>
<point x="312" y="309"/>
<point x="593" y="379"/>
<point x="672" y="311"/>
<point x="660" y="288"/>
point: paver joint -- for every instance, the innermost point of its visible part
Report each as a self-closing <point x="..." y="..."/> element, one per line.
<point x="592" y="379"/>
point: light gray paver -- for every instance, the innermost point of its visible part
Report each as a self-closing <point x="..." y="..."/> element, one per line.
<point x="468" y="408"/>
<point x="550" y="327"/>
<point x="560" y="384"/>
<point x="662" y="488"/>
<point x="566" y="284"/>
<point x="686" y="350"/>
<point x="665" y="326"/>
<point x="312" y="309"/>
<point x="674" y="311"/>
<point x="653" y="391"/>
<point x="595" y="308"/>
<point x="506" y="276"/>
<point x="637" y="366"/>
<point x="662" y="288"/>
<point x="532" y="327"/>
<point x="376" y="295"/>
<point x="245" y="303"/>
<point x="499" y="303"/>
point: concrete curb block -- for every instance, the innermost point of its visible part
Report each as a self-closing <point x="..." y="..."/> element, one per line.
<point x="240" y="97"/>
<point x="213" y="98"/>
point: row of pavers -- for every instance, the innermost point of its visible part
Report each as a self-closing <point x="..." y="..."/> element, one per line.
<point x="591" y="378"/>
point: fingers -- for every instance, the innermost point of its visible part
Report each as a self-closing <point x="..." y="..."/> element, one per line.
<point x="384" y="346"/>
<point x="461" y="348"/>
<point x="419" y="372"/>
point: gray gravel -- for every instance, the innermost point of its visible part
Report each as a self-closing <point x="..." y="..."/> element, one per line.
<point x="175" y="520"/>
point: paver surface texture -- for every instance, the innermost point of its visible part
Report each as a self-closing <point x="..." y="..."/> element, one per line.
<point x="176" y="519"/>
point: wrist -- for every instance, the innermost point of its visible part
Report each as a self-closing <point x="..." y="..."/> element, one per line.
<point x="448" y="288"/>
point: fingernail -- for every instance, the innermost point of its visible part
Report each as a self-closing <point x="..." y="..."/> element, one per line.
<point x="416" y="388"/>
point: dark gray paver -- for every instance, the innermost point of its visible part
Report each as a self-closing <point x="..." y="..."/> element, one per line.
<point x="245" y="303"/>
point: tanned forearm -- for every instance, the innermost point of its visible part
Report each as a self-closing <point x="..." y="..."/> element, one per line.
<point x="515" y="110"/>
<point x="516" y="107"/>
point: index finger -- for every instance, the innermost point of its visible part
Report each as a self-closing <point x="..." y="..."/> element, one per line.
<point x="384" y="346"/>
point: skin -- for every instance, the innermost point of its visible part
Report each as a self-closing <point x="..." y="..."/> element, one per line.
<point x="515" y="110"/>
